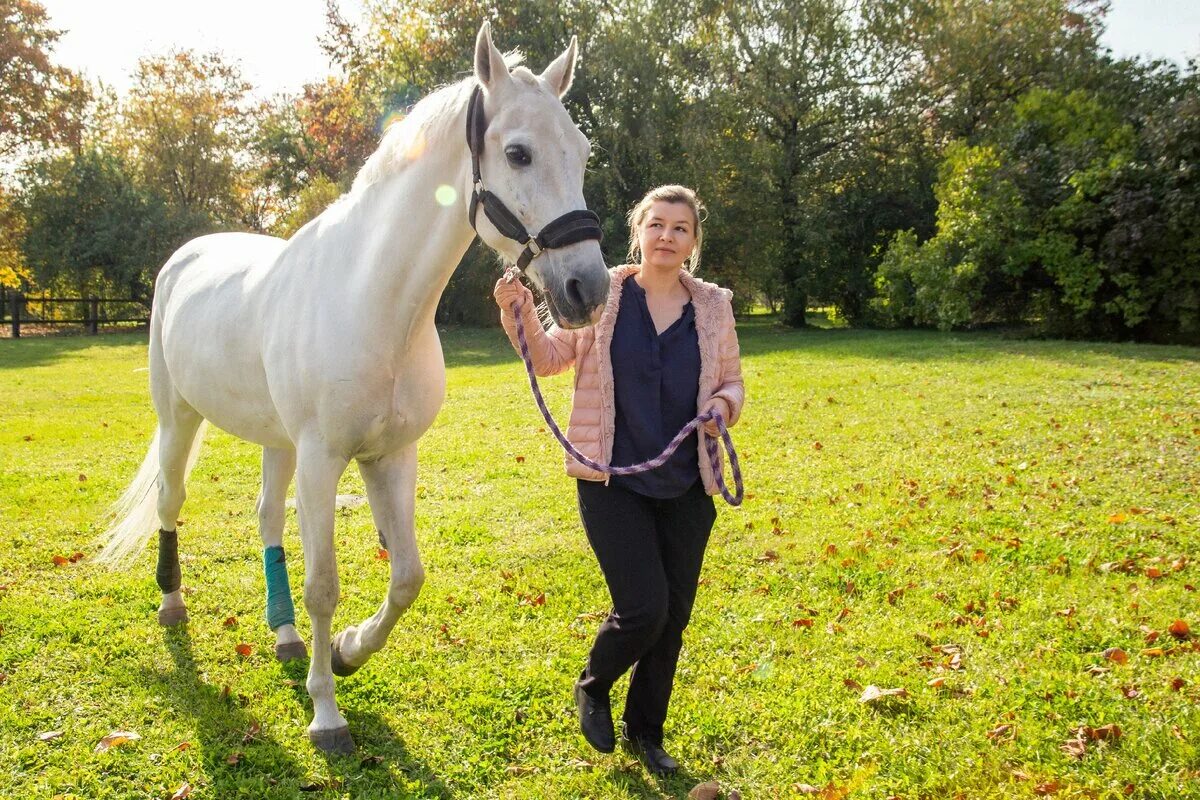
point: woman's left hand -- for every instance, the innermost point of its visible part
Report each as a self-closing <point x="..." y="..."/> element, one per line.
<point x="722" y="408"/>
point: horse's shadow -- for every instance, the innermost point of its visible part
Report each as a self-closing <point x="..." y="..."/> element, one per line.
<point x="240" y="755"/>
<point x="378" y="746"/>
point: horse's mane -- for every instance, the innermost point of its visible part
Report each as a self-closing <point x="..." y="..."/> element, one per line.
<point x="430" y="120"/>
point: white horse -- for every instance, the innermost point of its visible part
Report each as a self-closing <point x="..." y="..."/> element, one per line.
<point x="323" y="348"/>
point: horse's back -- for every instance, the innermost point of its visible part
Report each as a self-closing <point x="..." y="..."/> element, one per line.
<point x="208" y="324"/>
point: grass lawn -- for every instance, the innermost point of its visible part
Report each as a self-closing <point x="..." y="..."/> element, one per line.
<point x="971" y="519"/>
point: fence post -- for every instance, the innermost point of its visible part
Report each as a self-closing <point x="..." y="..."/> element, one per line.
<point x="16" y="314"/>
<point x="93" y="315"/>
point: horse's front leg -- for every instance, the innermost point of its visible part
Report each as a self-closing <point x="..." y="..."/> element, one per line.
<point x="391" y="488"/>
<point x="317" y="474"/>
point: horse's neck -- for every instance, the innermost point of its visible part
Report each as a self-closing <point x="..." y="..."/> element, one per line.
<point x="401" y="245"/>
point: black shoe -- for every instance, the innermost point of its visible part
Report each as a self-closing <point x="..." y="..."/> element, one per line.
<point x="595" y="720"/>
<point x="651" y="754"/>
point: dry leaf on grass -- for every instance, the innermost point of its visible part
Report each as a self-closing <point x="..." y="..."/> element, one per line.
<point x="48" y="736"/>
<point x="873" y="694"/>
<point x="115" y="739"/>
<point x="1116" y="654"/>
<point x="1179" y="629"/>
<point x="244" y="650"/>
<point x="710" y="790"/>
<point x="183" y="791"/>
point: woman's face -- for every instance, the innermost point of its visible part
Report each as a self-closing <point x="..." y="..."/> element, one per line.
<point x="667" y="234"/>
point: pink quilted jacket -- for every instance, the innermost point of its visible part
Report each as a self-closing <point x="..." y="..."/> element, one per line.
<point x="593" y="409"/>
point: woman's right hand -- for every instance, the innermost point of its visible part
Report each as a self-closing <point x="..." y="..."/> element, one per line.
<point x="506" y="293"/>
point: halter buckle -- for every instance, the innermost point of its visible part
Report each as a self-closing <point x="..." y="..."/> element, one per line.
<point x="533" y="247"/>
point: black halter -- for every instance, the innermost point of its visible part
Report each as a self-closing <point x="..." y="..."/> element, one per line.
<point x="571" y="227"/>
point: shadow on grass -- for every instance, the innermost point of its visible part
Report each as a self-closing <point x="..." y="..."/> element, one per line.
<point x="264" y="767"/>
<point x="762" y="335"/>
<point x="223" y="728"/>
<point x="38" y="351"/>
<point x="378" y="749"/>
<point x="633" y="778"/>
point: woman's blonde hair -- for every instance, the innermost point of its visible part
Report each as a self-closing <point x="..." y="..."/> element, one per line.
<point x="668" y="194"/>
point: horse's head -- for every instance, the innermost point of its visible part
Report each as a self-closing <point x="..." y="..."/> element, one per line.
<point x="532" y="161"/>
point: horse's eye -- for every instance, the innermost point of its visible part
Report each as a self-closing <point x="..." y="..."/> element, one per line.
<point x="518" y="155"/>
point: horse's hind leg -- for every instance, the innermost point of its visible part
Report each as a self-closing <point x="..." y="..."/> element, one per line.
<point x="391" y="488"/>
<point x="177" y="427"/>
<point x="278" y="466"/>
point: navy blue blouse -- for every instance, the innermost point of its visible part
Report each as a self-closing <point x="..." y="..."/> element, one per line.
<point x="656" y="378"/>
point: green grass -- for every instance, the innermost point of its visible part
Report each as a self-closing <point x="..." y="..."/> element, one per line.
<point x="1067" y="472"/>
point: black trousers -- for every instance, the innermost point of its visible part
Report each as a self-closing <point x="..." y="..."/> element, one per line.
<point x="650" y="552"/>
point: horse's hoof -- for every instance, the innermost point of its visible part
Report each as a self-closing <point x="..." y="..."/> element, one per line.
<point x="335" y="742"/>
<point x="339" y="667"/>
<point x="290" y="651"/>
<point x="169" y="617"/>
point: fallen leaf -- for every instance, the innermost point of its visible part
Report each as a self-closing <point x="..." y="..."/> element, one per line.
<point x="817" y="446"/>
<point x="805" y="788"/>
<point x="1130" y="692"/>
<point x="802" y="623"/>
<point x="768" y="557"/>
<point x="76" y="556"/>
<point x="1179" y="629"/>
<point x="999" y="731"/>
<point x="519" y="769"/>
<point x="1116" y="654"/>
<point x="230" y="622"/>
<point x="183" y="791"/>
<point x="181" y="746"/>
<point x="873" y="693"/>
<point x="1153" y="572"/>
<point x="850" y="683"/>
<point x="1153" y="652"/>
<point x="60" y="560"/>
<point x="381" y="554"/>
<point x="82" y="477"/>
<point x="710" y="790"/>
<point x="234" y="757"/>
<point x="244" y="650"/>
<point x="251" y="732"/>
<point x="1076" y="748"/>
<point x="49" y="736"/>
<point x="115" y="739"/>
<point x="937" y="682"/>
<point x="1177" y="684"/>
<point x="1049" y="787"/>
<point x="1118" y="518"/>
<point x="1110" y="732"/>
<point x="520" y="459"/>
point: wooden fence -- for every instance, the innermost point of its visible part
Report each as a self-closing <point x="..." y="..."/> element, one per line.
<point x="93" y="311"/>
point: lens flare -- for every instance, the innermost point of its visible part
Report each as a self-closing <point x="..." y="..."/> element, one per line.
<point x="391" y="119"/>
<point x="445" y="195"/>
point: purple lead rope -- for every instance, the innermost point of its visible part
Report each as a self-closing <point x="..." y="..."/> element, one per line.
<point x="710" y="443"/>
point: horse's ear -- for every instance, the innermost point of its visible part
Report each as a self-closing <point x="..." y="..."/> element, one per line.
<point x="490" y="69"/>
<point x="561" y="71"/>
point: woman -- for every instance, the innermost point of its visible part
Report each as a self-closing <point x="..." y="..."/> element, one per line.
<point x="664" y="350"/>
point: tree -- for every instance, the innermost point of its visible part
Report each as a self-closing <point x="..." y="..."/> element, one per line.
<point x="183" y="126"/>
<point x="91" y="228"/>
<point x="35" y="94"/>
<point x="13" y="273"/>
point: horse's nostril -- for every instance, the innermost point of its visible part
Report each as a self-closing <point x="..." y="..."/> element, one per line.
<point x="574" y="292"/>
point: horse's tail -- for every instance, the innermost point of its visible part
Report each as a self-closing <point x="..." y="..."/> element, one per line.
<point x="136" y="511"/>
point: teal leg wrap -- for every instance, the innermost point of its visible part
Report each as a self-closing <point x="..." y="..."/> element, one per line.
<point x="280" y="610"/>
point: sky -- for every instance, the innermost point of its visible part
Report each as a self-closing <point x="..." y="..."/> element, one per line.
<point x="276" y="40"/>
